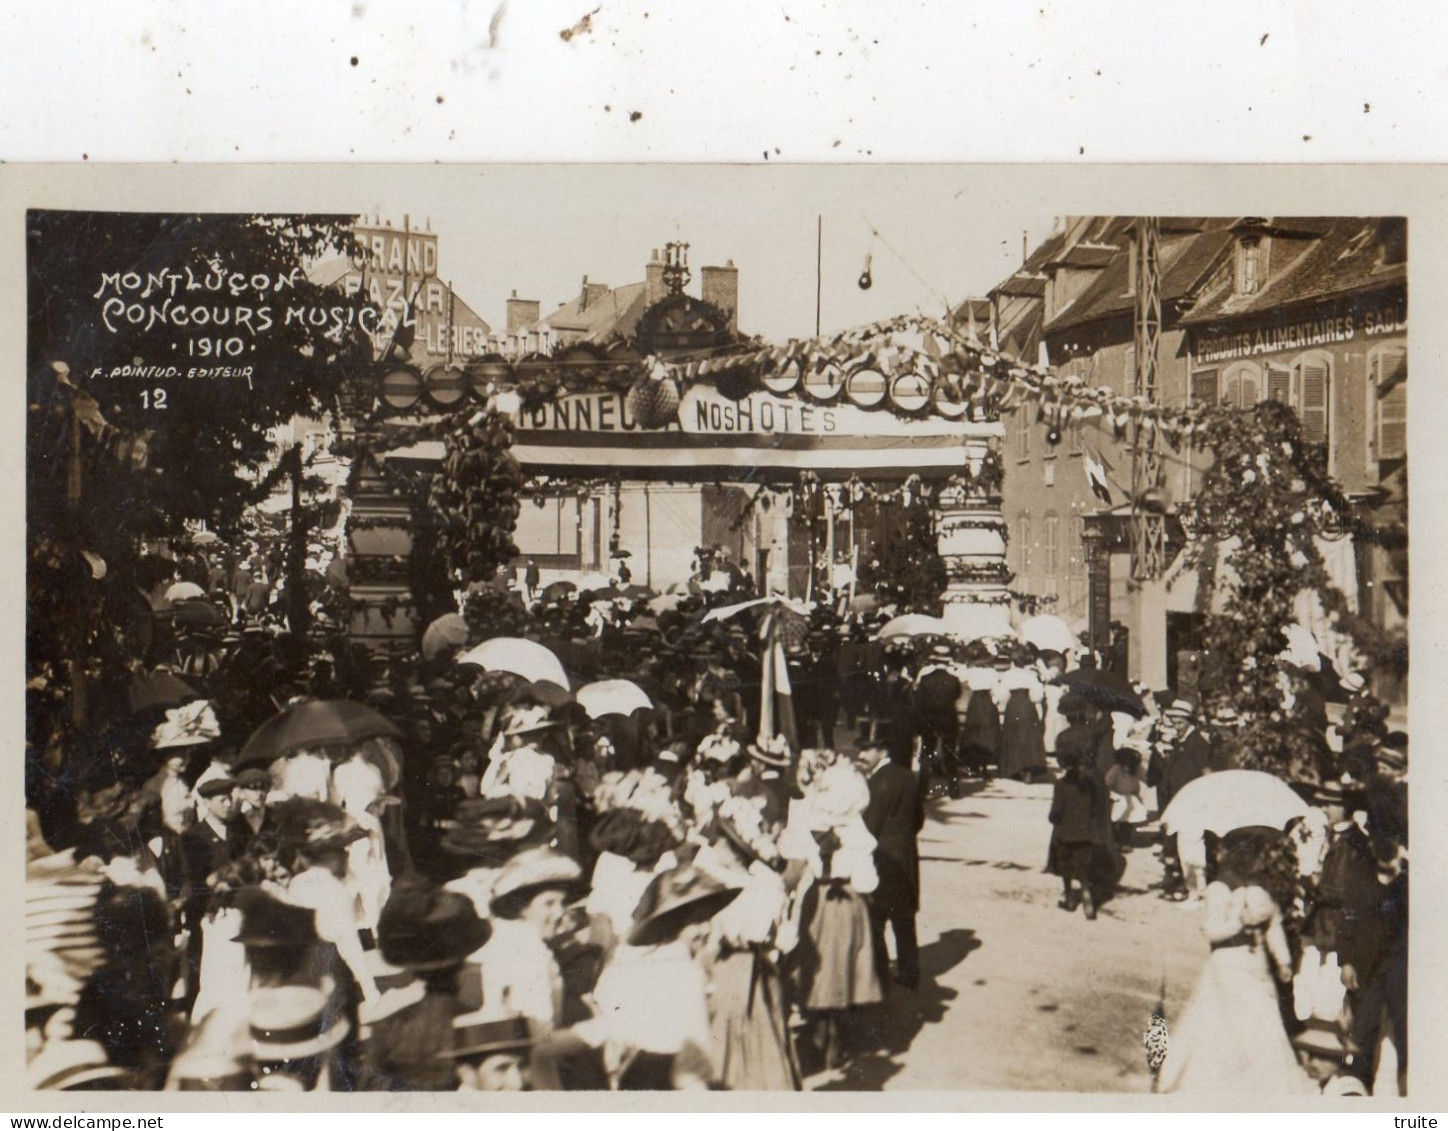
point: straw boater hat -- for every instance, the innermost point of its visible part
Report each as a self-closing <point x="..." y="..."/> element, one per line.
<point x="675" y="899"/>
<point x="293" y="1023"/>
<point x="475" y="1038"/>
<point x="772" y="751"/>
<point x="72" y="1065"/>
<point x="531" y="872"/>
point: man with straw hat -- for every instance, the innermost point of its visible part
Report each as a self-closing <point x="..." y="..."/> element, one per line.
<point x="293" y="1039"/>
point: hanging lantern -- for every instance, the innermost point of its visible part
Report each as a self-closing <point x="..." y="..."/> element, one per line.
<point x="654" y="399"/>
<point x="866" y="388"/>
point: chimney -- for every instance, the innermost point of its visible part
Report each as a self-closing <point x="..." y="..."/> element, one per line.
<point x="521" y="312"/>
<point x="720" y="286"/>
<point x="654" y="288"/>
<point x="592" y="293"/>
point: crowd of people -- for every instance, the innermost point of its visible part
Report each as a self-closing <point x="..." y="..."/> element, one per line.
<point x="485" y="884"/>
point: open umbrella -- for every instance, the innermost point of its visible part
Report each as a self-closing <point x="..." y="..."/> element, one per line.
<point x="666" y="602"/>
<point x="198" y="614"/>
<point x="521" y="657"/>
<point x="1048" y="633"/>
<point x="913" y="624"/>
<point x="313" y="723"/>
<point x="612" y="697"/>
<point x="1232" y="799"/>
<point x="1106" y="689"/>
<point x="557" y="590"/>
<point x="448" y="631"/>
<point x="158" y="689"/>
<point x="185" y="591"/>
<point x="636" y="592"/>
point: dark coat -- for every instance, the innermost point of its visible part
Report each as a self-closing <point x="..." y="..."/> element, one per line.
<point x="895" y="816"/>
<point x="1081" y="816"/>
<point x="1354" y="901"/>
<point x="1188" y="761"/>
<point x="202" y="852"/>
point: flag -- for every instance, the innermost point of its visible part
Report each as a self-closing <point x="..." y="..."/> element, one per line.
<point x="1096" y="476"/>
<point x="776" y="698"/>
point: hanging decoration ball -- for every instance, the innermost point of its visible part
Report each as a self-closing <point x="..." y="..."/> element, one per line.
<point x="866" y="388"/>
<point x="654" y="399"/>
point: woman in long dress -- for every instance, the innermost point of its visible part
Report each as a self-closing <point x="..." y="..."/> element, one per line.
<point x="980" y="735"/>
<point x="834" y="962"/>
<point x="1023" y="731"/>
<point x="1230" y="1040"/>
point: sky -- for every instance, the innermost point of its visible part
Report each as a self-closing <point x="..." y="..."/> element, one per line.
<point x="933" y="235"/>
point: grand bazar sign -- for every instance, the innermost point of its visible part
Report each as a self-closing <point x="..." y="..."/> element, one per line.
<point x="1284" y="337"/>
<point x="704" y="411"/>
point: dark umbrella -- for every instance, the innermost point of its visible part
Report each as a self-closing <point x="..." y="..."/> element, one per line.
<point x="557" y="590"/>
<point x="1106" y="689"/>
<point x="315" y="722"/>
<point x="198" y="614"/>
<point x="158" y="689"/>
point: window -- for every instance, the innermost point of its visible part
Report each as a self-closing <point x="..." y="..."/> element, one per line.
<point x="1251" y="265"/>
<point x="1023" y="548"/>
<point x="1279" y="384"/>
<point x="1049" y="467"/>
<point x="1023" y="432"/>
<point x="1241" y="385"/>
<point x="1204" y="387"/>
<point x="550" y="532"/>
<point x="1051" y="529"/>
<point x="1388" y="390"/>
<point x="1312" y="389"/>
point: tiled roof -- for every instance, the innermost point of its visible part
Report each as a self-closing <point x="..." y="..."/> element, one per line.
<point x="1186" y="261"/>
<point x="1344" y="258"/>
<point x="615" y="313"/>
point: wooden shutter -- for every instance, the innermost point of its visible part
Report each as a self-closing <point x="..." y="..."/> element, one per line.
<point x="1204" y="387"/>
<point x="1279" y="385"/>
<point x="1312" y="399"/>
<point x="1232" y="390"/>
<point x="1053" y="546"/>
<point x="1023" y="536"/>
<point x="1391" y="435"/>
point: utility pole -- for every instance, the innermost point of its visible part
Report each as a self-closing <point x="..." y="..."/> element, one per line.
<point x="819" y="269"/>
<point x="1148" y="528"/>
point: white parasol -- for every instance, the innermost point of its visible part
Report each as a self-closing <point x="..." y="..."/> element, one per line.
<point x="1232" y="799"/>
<point x="533" y="662"/>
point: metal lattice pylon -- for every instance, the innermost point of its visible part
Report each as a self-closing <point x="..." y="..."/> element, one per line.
<point x="1148" y="530"/>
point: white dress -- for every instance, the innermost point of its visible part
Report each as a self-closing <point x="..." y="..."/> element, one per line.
<point x="1230" y="1041"/>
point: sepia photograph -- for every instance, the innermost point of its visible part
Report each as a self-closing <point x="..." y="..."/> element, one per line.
<point x="705" y="628"/>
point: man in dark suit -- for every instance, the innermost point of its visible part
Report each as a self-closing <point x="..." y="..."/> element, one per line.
<point x="895" y="816"/>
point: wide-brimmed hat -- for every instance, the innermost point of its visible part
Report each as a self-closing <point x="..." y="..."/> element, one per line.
<point x="673" y="900"/>
<point x="473" y="1037"/>
<point x="268" y="921"/>
<point x="1335" y="791"/>
<point x="428" y="928"/>
<point x="191" y="724"/>
<point x="528" y="873"/>
<point x="719" y="748"/>
<point x="528" y="720"/>
<point x="494" y="827"/>
<point x="1178" y="709"/>
<point x="837" y="796"/>
<point x="292" y="1023"/>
